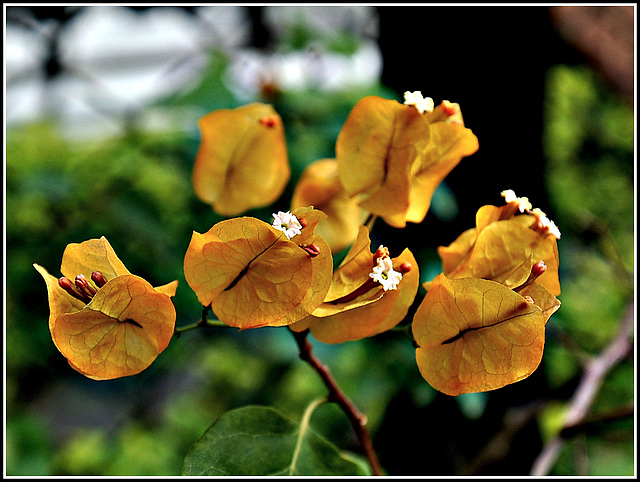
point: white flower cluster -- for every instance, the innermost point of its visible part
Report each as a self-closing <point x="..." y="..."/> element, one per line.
<point x="423" y="104"/>
<point x="384" y="274"/>
<point x="544" y="223"/>
<point x="522" y="202"/>
<point x="287" y="223"/>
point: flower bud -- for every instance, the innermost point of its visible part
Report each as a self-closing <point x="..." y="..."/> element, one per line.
<point x="537" y="270"/>
<point x="98" y="278"/>
<point x="311" y="249"/>
<point x="381" y="252"/>
<point x="67" y="285"/>
<point x="404" y="268"/>
<point x="84" y="286"/>
<point x="268" y="121"/>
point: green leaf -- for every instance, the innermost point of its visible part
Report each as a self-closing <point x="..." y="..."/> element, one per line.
<point x="258" y="440"/>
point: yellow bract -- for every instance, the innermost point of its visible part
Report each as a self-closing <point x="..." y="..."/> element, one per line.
<point x="122" y="329"/>
<point x="252" y="275"/>
<point x="242" y="162"/>
<point x="320" y="187"/>
<point x="476" y="335"/>
<point x="482" y="324"/>
<point x="392" y="157"/>
<point x="356" y="307"/>
<point x="502" y="250"/>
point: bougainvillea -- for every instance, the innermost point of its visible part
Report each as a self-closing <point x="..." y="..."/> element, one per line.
<point x="107" y="322"/>
<point x="320" y="186"/>
<point x="480" y="326"/>
<point x="369" y="293"/>
<point x="392" y="156"/>
<point x="253" y="275"/>
<point x="242" y="162"/>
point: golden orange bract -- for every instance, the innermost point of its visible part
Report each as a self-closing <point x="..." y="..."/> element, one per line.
<point x="113" y="327"/>
<point x="320" y="187"/>
<point x="253" y="275"/>
<point x="476" y="335"/>
<point x="392" y="157"/>
<point x="482" y="324"/>
<point x="242" y="162"/>
<point x="503" y="247"/>
<point x="356" y="306"/>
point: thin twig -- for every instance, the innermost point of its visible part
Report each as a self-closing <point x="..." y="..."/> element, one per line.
<point x="594" y="374"/>
<point x="358" y="419"/>
<point x="202" y="322"/>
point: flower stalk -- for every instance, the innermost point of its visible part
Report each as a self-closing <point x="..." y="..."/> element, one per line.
<point x="356" y="417"/>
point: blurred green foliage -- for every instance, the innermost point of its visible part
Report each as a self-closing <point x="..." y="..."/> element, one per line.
<point x="589" y="146"/>
<point x="136" y="191"/>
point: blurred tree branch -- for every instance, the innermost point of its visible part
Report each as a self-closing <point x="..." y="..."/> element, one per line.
<point x="497" y="448"/>
<point x="604" y="35"/>
<point x="594" y="373"/>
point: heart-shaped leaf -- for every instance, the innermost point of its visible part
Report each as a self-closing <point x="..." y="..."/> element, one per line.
<point x="259" y="441"/>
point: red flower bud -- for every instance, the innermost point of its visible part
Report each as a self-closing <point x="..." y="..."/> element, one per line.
<point x="98" y="278"/>
<point x="268" y="121"/>
<point x="67" y="285"/>
<point x="84" y="286"/>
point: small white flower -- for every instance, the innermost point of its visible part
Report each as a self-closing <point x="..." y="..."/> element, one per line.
<point x="545" y="223"/>
<point x="384" y="274"/>
<point x="421" y="103"/>
<point x="522" y="202"/>
<point x="287" y="223"/>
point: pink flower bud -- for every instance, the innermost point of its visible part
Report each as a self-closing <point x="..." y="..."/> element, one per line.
<point x="311" y="249"/>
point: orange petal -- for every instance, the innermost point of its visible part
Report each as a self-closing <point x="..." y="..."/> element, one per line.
<point x="92" y="255"/>
<point x="356" y="320"/>
<point x="392" y="158"/>
<point x="504" y="251"/>
<point x="454" y="254"/>
<point x="449" y="143"/>
<point x="542" y="298"/>
<point x="60" y="302"/>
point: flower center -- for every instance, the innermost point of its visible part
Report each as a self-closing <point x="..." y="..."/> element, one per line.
<point x="287" y="223"/>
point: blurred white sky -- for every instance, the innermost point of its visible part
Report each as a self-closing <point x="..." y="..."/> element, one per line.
<point x="117" y="60"/>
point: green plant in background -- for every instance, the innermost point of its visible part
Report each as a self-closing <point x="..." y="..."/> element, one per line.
<point x="142" y="197"/>
<point x="588" y="142"/>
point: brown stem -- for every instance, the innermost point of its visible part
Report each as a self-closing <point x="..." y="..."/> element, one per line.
<point x="205" y="313"/>
<point x="358" y="419"/>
